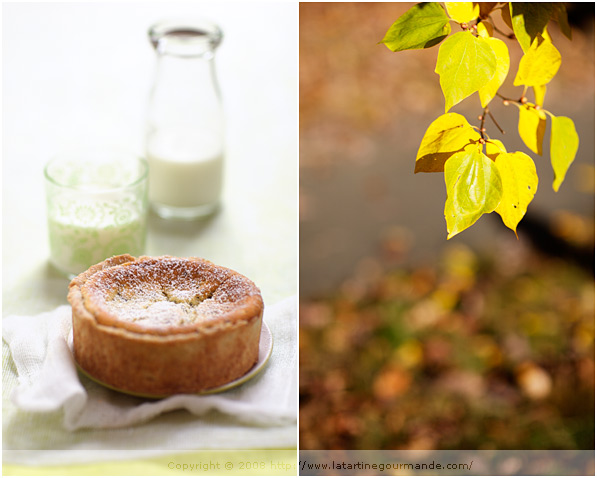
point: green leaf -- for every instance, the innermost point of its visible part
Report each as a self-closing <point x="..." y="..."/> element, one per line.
<point x="529" y="20"/>
<point x="465" y="64"/>
<point x="502" y="56"/>
<point x="448" y="134"/>
<point x="422" y="26"/>
<point x="539" y="64"/>
<point x="462" y="12"/>
<point x="474" y="188"/>
<point x="559" y="10"/>
<point x="563" y="146"/>
<point x="531" y="127"/>
<point x="519" y="185"/>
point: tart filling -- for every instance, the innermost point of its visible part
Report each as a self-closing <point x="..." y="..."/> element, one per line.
<point x="164" y="325"/>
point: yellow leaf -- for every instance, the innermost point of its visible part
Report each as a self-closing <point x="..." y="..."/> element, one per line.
<point x="493" y="147"/>
<point x="519" y="185"/>
<point x="462" y="12"/>
<point x="473" y="188"/>
<point x="539" y="64"/>
<point x="531" y="127"/>
<point x="502" y="56"/>
<point x="465" y="64"/>
<point x="448" y="134"/>
<point x="563" y="147"/>
<point x="484" y="29"/>
<point x="540" y="94"/>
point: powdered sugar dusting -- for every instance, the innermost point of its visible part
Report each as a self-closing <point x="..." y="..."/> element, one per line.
<point x="168" y="291"/>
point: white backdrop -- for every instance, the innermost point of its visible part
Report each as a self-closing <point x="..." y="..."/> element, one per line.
<point x="79" y="73"/>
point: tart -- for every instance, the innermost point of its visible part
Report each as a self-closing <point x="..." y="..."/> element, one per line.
<point x="158" y="326"/>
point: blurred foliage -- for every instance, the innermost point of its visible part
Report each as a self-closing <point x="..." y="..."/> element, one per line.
<point x="473" y="353"/>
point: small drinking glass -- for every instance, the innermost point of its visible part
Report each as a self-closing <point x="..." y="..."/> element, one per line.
<point x="96" y="207"/>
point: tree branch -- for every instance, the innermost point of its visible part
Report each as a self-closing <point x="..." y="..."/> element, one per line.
<point x="510" y="100"/>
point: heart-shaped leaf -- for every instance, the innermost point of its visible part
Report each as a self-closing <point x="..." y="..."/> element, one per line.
<point x="531" y="127"/>
<point x="539" y="64"/>
<point x="500" y="50"/>
<point x="474" y="188"/>
<point x="422" y="26"/>
<point x="448" y="134"/>
<point x="519" y="185"/>
<point x="465" y="64"/>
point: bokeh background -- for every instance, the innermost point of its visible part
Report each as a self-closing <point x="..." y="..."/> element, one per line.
<point x="408" y="340"/>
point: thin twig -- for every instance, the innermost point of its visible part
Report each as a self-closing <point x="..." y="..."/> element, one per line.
<point x="510" y="100"/>
<point x="494" y="121"/>
<point x="482" y="127"/>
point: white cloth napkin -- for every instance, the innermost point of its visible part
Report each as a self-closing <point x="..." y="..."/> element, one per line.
<point x="41" y="347"/>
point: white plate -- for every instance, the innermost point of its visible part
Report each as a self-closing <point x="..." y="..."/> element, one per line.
<point x="266" y="345"/>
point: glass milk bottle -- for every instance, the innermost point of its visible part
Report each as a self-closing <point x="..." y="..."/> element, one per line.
<point x="185" y="124"/>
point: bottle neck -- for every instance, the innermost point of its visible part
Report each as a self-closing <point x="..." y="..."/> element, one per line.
<point x="195" y="39"/>
<point x="187" y="75"/>
<point x="185" y="59"/>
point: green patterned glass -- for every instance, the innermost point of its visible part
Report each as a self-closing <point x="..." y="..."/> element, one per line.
<point x="96" y="207"/>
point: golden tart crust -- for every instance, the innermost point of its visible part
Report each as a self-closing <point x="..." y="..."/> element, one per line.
<point x="164" y="325"/>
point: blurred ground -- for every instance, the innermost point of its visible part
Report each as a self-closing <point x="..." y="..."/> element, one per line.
<point x="472" y="353"/>
<point x="408" y="340"/>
